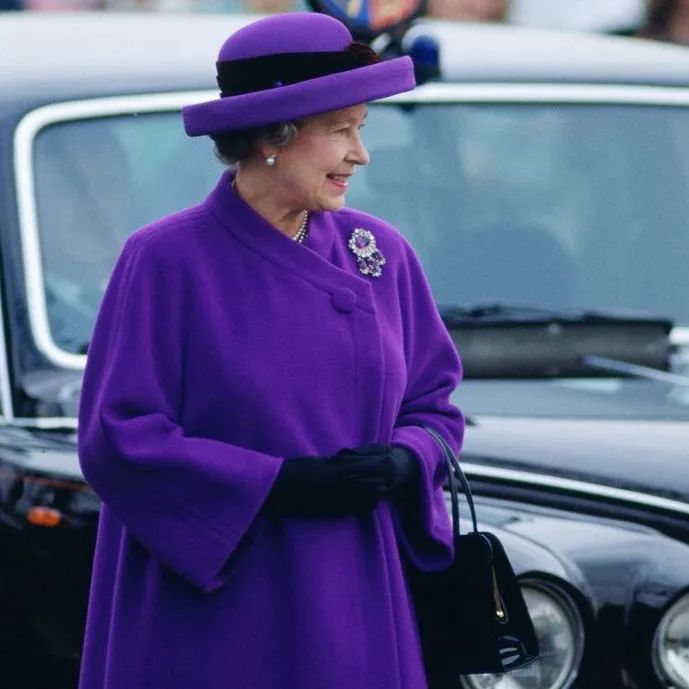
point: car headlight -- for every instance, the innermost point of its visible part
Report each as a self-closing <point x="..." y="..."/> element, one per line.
<point x="671" y="645"/>
<point x="560" y="634"/>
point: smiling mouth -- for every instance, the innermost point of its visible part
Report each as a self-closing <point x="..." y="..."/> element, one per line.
<point x="341" y="180"/>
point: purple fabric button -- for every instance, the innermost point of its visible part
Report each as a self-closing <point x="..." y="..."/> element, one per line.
<point x="344" y="300"/>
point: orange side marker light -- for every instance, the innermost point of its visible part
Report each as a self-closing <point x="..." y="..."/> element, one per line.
<point x="44" y="516"/>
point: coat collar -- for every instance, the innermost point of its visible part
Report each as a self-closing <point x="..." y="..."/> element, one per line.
<point x="306" y="260"/>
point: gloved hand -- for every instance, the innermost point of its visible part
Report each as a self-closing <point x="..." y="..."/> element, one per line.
<point x="351" y="482"/>
<point x="397" y="465"/>
<point x="405" y="473"/>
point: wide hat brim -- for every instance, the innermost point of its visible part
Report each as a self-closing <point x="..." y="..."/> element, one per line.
<point x="294" y="101"/>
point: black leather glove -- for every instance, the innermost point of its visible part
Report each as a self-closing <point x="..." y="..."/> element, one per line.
<point x="351" y="482"/>
<point x="397" y="467"/>
<point x="405" y="473"/>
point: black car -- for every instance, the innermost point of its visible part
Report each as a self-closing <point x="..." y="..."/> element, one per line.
<point x="543" y="180"/>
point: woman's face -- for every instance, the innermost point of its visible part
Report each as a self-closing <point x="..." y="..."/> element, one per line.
<point x="313" y="171"/>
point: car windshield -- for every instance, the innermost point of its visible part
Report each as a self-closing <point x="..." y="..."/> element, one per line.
<point x="560" y="206"/>
<point x="552" y="205"/>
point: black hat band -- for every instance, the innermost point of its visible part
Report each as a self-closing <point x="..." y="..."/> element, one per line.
<point x="237" y="77"/>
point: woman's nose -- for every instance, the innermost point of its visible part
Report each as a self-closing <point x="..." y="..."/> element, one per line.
<point x="359" y="154"/>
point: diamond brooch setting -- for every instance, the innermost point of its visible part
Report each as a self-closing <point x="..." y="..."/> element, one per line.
<point x="362" y="244"/>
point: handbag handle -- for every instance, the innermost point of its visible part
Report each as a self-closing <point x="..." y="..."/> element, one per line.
<point x="454" y="472"/>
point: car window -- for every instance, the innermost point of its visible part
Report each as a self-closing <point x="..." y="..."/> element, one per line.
<point x="96" y="182"/>
<point x="563" y="205"/>
<point x="558" y="205"/>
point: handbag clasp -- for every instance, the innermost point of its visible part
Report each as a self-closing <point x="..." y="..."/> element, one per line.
<point x="500" y="611"/>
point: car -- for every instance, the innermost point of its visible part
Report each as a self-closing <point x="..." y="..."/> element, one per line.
<point x="542" y="179"/>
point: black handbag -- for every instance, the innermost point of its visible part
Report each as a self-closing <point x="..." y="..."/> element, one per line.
<point x="472" y="617"/>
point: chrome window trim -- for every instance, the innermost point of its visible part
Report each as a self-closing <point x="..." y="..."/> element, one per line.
<point x="27" y="129"/>
<point x="630" y="497"/>
<point x="34" y="121"/>
<point x="47" y="423"/>
<point x="546" y="93"/>
<point x="6" y="406"/>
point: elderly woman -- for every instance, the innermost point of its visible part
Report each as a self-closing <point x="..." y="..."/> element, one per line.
<point x="254" y="404"/>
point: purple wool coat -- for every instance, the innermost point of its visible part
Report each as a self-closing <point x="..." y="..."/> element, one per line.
<point x="221" y="348"/>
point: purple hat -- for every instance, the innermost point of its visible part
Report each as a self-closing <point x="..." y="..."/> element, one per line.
<point x="288" y="66"/>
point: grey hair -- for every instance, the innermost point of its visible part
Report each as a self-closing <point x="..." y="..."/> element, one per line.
<point x="234" y="147"/>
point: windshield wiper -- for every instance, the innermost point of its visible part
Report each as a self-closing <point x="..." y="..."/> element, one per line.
<point x="500" y="312"/>
<point x="524" y="341"/>
<point x="634" y="370"/>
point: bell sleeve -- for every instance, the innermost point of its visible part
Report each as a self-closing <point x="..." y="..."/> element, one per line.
<point x="433" y="372"/>
<point x="190" y="501"/>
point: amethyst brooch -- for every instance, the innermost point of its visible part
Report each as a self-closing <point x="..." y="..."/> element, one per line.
<point x="362" y="244"/>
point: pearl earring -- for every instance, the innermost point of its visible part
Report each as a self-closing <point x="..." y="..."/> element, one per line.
<point x="271" y="160"/>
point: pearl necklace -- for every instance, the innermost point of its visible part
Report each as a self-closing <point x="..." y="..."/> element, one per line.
<point x="303" y="231"/>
